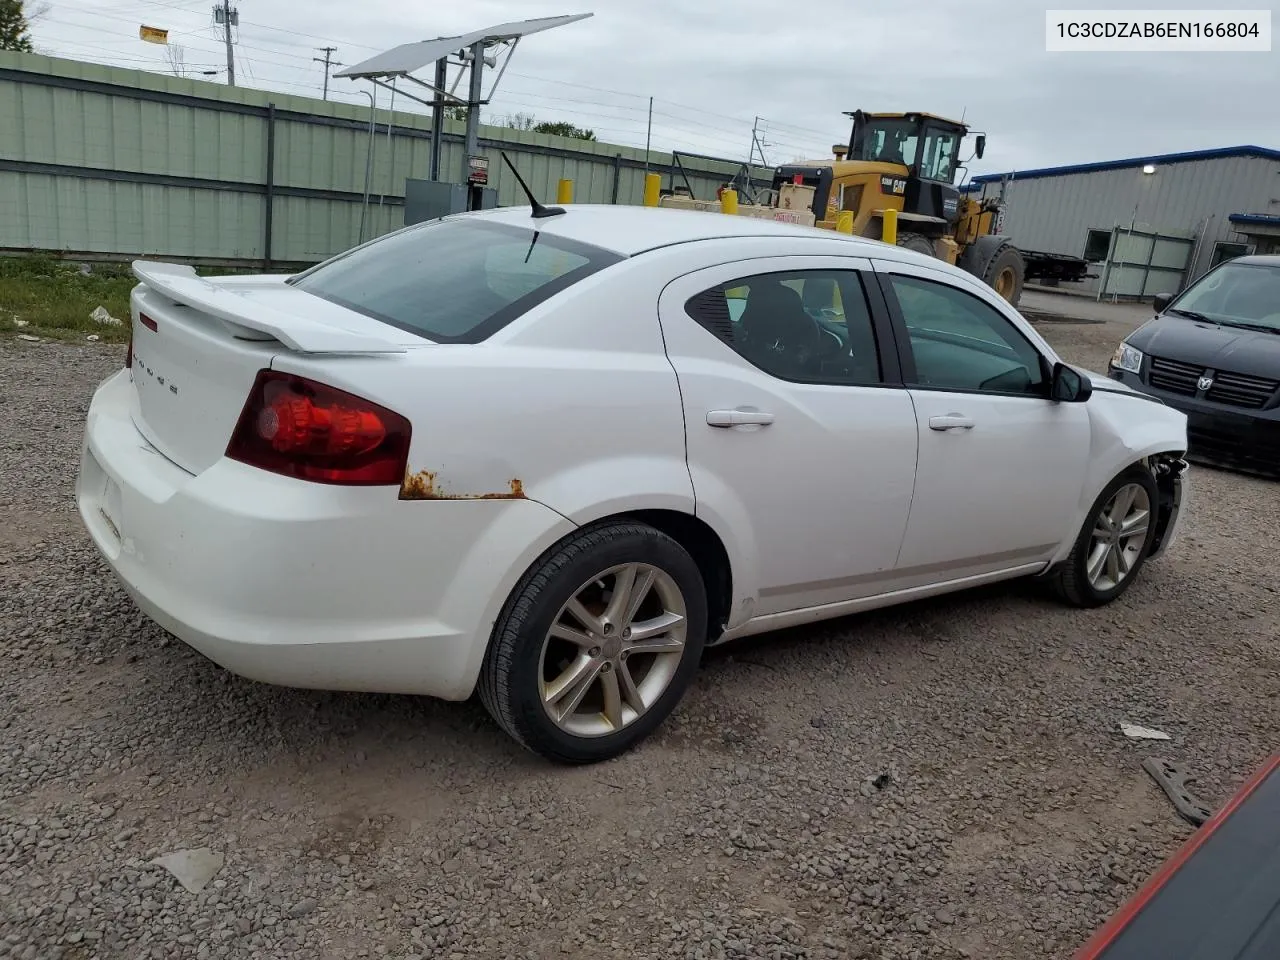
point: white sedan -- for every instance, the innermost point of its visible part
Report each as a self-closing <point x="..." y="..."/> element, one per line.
<point x="551" y="459"/>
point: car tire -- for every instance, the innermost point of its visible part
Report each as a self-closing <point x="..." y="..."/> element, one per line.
<point x="1085" y="580"/>
<point x="524" y="680"/>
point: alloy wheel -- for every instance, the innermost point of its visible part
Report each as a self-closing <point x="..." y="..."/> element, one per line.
<point x="1119" y="535"/>
<point x="612" y="650"/>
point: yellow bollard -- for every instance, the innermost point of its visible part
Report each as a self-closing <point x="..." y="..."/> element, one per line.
<point x="729" y="201"/>
<point x="564" y="193"/>
<point x="889" y="233"/>
<point x="844" y="221"/>
<point x="652" y="189"/>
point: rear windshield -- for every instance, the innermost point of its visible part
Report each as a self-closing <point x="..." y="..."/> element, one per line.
<point x="453" y="281"/>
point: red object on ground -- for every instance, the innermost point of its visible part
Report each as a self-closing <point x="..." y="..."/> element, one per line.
<point x="1217" y="896"/>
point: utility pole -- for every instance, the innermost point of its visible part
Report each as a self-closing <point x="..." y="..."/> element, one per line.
<point x="328" y="52"/>
<point x="228" y="16"/>
<point x="648" y="138"/>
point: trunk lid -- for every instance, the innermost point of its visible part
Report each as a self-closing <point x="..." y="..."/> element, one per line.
<point x="198" y="345"/>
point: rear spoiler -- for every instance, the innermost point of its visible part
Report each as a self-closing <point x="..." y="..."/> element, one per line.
<point x="180" y="283"/>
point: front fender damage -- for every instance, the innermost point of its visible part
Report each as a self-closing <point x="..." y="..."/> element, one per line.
<point x="1170" y="472"/>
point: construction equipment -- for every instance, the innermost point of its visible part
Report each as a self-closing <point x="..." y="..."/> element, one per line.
<point x="896" y="181"/>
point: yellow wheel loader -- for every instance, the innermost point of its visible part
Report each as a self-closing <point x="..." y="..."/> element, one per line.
<point x="908" y="163"/>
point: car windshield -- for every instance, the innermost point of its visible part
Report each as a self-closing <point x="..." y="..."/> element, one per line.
<point x="453" y="281"/>
<point x="1236" y="293"/>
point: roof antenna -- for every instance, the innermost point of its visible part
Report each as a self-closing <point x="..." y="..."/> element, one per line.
<point x="538" y="209"/>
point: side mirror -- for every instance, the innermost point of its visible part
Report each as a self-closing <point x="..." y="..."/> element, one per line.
<point x="1069" y="386"/>
<point x="980" y="145"/>
<point x="1162" y="301"/>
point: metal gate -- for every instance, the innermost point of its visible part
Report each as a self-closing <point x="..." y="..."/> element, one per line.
<point x="1142" y="263"/>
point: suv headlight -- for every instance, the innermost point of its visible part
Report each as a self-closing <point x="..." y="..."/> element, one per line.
<point x="1127" y="358"/>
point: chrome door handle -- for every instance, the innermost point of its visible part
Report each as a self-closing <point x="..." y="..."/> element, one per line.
<point x="737" y="418"/>
<point x="952" y="421"/>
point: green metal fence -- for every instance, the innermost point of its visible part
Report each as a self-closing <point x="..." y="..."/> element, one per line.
<point x="102" y="161"/>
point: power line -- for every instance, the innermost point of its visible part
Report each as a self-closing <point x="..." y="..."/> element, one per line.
<point x="277" y="64"/>
<point x="183" y="5"/>
<point x="235" y="22"/>
<point x="685" y="125"/>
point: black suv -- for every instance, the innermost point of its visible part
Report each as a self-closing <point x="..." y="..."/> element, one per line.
<point x="1213" y="352"/>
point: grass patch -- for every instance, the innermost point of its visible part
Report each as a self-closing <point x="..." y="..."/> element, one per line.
<point x="55" y="298"/>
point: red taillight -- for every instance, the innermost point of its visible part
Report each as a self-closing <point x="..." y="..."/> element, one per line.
<point x="148" y="322"/>
<point x="300" y="428"/>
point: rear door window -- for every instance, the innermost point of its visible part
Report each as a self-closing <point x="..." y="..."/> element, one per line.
<point x="805" y="326"/>
<point x="453" y="281"/>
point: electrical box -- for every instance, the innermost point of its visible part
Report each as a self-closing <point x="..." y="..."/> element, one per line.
<point x="432" y="199"/>
<point x="795" y="196"/>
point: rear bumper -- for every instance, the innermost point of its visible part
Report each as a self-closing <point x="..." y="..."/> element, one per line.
<point x="303" y="584"/>
<point x="1240" y="439"/>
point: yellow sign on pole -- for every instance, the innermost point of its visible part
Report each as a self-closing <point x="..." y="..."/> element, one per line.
<point x="153" y="34"/>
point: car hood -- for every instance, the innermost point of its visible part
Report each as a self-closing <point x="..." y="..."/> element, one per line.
<point x="1250" y="352"/>
<point x="1100" y="381"/>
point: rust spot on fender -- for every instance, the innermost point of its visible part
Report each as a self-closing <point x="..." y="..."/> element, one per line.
<point x="423" y="485"/>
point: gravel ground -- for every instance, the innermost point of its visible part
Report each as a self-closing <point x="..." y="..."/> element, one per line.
<point x="941" y="780"/>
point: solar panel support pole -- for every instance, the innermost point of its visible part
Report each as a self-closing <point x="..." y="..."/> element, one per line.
<point x="437" y="117"/>
<point x="473" y="108"/>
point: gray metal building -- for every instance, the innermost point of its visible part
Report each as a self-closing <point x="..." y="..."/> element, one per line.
<point x="1147" y="225"/>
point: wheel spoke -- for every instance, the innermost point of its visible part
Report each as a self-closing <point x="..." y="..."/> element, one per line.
<point x="651" y="629"/>
<point x="663" y="644"/>
<point x="630" y="692"/>
<point x="584" y="616"/>
<point x="623" y="582"/>
<point x="563" y="631"/>
<point x="639" y="590"/>
<point x="1123" y="563"/>
<point x="567" y="690"/>
<point x="1140" y="532"/>
<point x="1135" y="524"/>
<point x="1121" y="505"/>
<point x="1113" y="565"/>
<point x="612" y="699"/>
<point x="1097" y="560"/>
<point x="1104" y="529"/>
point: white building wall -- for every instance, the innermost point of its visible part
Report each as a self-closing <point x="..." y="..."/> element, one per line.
<point x="1054" y="212"/>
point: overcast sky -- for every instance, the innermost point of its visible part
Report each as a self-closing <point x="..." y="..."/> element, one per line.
<point x="713" y="71"/>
